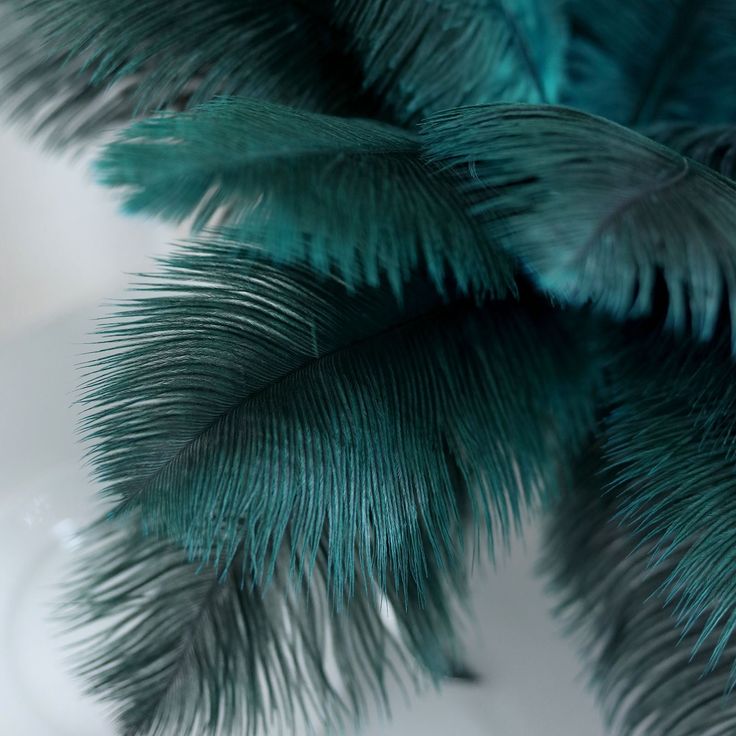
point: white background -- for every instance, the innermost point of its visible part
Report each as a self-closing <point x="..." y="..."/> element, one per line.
<point x="63" y="250"/>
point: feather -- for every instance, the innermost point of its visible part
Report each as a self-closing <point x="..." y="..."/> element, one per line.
<point x="75" y="67"/>
<point x="596" y="212"/>
<point x="641" y="61"/>
<point x="669" y="448"/>
<point x="240" y="405"/>
<point x="712" y="145"/>
<point x="341" y="194"/>
<point x="421" y="56"/>
<point x="175" y="650"/>
<point x="642" y="664"/>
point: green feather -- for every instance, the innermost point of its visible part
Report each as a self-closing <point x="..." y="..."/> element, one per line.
<point x="239" y="405"/>
<point x="669" y="449"/>
<point x="175" y="650"/>
<point x="421" y="56"/>
<point x="76" y="67"/>
<point x="595" y="211"/>
<point x="712" y="145"/>
<point x="642" y="664"/>
<point x="641" y="61"/>
<point x="345" y="195"/>
<point x="73" y="68"/>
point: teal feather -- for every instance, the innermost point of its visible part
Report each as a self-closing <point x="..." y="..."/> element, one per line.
<point x="239" y="405"/>
<point x="712" y="145"/>
<point x="73" y="68"/>
<point x="174" y="650"/>
<point x="76" y="67"/>
<point x="643" y="669"/>
<point x="309" y="413"/>
<point x="669" y="448"/>
<point x="344" y="195"/>
<point x="421" y="56"/>
<point x="642" y="61"/>
<point x="596" y="212"/>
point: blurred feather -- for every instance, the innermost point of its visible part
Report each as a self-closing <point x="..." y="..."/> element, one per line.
<point x="240" y="404"/>
<point x="344" y="195"/>
<point x="595" y="211"/>
<point x="712" y="145"/>
<point x="174" y="650"/>
<point x="640" y="61"/>
<point x="75" y="67"/>
<point x="421" y="56"/>
<point x="669" y="448"/>
<point x="642" y="664"/>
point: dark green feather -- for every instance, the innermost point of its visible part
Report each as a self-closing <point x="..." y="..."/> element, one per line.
<point x="175" y="650"/>
<point x="345" y="195"/>
<point x="595" y="211"/>
<point x="75" y="67"/>
<point x="642" y="664"/>
<point x="421" y="56"/>
<point x="238" y="405"/>
<point x="669" y="449"/>
<point x="712" y="145"/>
<point x="641" y="61"/>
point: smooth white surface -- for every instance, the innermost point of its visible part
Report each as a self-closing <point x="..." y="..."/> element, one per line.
<point x="62" y="244"/>
<point x="63" y="249"/>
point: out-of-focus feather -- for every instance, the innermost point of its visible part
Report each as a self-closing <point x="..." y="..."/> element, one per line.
<point x="640" y="61"/>
<point x="175" y="650"/>
<point x="643" y="665"/>
<point x="421" y="56"/>
<point x="712" y="145"/>
<point x="75" y="67"/>
<point x="669" y="449"/>
<point x="595" y="211"/>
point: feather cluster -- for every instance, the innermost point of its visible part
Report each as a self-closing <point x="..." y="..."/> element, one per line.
<point x="451" y="262"/>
